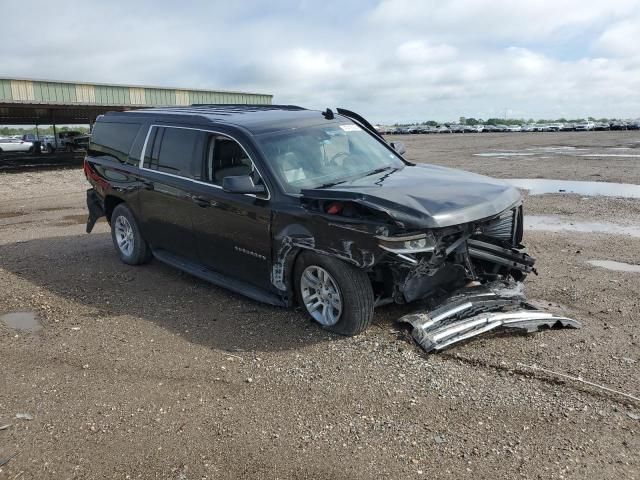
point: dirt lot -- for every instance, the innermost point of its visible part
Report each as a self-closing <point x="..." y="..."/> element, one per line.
<point x="145" y="372"/>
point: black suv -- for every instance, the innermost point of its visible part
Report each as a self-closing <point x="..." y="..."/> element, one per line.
<point x="293" y="206"/>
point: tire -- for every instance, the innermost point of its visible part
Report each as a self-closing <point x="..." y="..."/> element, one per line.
<point x="49" y="149"/>
<point x="127" y="240"/>
<point x="350" y="284"/>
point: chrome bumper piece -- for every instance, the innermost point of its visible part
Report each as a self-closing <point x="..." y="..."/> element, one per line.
<point x="475" y="310"/>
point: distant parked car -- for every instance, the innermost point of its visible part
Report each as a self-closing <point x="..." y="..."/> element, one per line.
<point x="15" y="145"/>
<point x="30" y="137"/>
<point x="554" y="127"/>
<point x="514" y="128"/>
<point x="47" y="143"/>
<point x="585" y="126"/>
<point x="526" y="128"/>
<point x="490" y="129"/>
<point x="568" y="127"/>
<point x="443" y="129"/>
<point x="80" y="142"/>
<point x="634" y="125"/>
<point x="617" y="125"/>
<point x="601" y="126"/>
<point x="65" y="139"/>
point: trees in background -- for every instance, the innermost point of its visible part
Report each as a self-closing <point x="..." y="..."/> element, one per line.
<point x="41" y="130"/>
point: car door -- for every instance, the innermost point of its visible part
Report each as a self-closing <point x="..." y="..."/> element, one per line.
<point x="172" y="162"/>
<point x="232" y="230"/>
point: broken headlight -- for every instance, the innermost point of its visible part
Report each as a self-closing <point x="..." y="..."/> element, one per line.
<point x="422" y="242"/>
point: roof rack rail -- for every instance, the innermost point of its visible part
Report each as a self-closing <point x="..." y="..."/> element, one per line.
<point x="248" y="106"/>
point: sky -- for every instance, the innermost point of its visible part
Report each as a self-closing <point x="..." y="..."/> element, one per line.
<point x="389" y="60"/>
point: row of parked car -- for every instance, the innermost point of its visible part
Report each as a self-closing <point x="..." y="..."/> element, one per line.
<point x="534" y="127"/>
<point x="66" y="141"/>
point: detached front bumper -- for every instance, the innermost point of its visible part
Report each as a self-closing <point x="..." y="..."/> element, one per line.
<point x="474" y="310"/>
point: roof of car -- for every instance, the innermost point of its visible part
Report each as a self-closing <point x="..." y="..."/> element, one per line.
<point x="258" y="119"/>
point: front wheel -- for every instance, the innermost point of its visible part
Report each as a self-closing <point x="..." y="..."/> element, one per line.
<point x="131" y="247"/>
<point x="335" y="294"/>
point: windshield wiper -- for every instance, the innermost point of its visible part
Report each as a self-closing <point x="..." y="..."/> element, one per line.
<point x="373" y="172"/>
<point x="379" y="170"/>
<point x="331" y="184"/>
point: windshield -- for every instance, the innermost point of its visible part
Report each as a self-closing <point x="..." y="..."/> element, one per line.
<point x="325" y="155"/>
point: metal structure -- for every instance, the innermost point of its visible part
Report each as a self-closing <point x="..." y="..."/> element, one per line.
<point x="48" y="102"/>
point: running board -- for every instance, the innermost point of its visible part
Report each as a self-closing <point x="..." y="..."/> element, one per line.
<point x="202" y="272"/>
<point x="476" y="310"/>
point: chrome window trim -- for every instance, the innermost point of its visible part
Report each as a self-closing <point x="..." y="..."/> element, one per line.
<point x="144" y="149"/>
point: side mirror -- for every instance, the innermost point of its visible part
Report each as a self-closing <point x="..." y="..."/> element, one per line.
<point x="241" y="184"/>
<point x="399" y="147"/>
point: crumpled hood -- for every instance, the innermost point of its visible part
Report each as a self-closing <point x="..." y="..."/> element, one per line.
<point x="426" y="196"/>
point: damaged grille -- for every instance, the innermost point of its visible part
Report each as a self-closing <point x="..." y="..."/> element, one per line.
<point x="508" y="226"/>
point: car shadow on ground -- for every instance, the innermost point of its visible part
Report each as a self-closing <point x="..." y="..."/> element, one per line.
<point x="86" y="270"/>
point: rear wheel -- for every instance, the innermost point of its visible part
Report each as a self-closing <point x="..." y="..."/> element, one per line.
<point x="335" y="294"/>
<point x="130" y="245"/>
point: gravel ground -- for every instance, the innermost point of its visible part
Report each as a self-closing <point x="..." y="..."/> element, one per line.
<point x="146" y="372"/>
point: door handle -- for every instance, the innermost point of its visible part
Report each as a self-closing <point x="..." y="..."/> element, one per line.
<point x="200" y="201"/>
<point x="148" y="185"/>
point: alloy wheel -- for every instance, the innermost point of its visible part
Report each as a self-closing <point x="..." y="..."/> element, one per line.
<point x="124" y="235"/>
<point x="321" y="295"/>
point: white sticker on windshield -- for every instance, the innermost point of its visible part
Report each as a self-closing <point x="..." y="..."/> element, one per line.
<point x="350" y="128"/>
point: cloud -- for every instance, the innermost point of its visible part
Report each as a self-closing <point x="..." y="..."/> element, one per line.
<point x="392" y="60"/>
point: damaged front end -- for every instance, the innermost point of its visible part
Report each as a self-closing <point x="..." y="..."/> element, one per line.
<point x="436" y="261"/>
<point x="470" y="277"/>
<point x="467" y="272"/>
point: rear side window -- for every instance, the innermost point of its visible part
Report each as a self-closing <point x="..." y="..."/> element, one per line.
<point x="177" y="151"/>
<point x="113" y="140"/>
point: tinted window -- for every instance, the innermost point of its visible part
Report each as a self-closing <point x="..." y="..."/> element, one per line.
<point x="177" y="151"/>
<point x="112" y="140"/>
<point x="225" y="157"/>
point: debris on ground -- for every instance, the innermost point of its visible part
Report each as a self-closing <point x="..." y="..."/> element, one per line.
<point x="24" y="416"/>
<point x="4" y="461"/>
<point x="477" y="309"/>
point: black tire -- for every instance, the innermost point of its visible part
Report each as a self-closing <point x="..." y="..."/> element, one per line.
<point x="139" y="251"/>
<point x="354" y="287"/>
<point x="49" y="149"/>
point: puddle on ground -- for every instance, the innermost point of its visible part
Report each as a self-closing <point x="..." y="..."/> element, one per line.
<point x="623" y="155"/>
<point x="22" y="321"/>
<point x="540" y="186"/>
<point x="616" y="266"/>
<point x="552" y="223"/>
<point x="12" y="214"/>
<point x="504" y="154"/>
